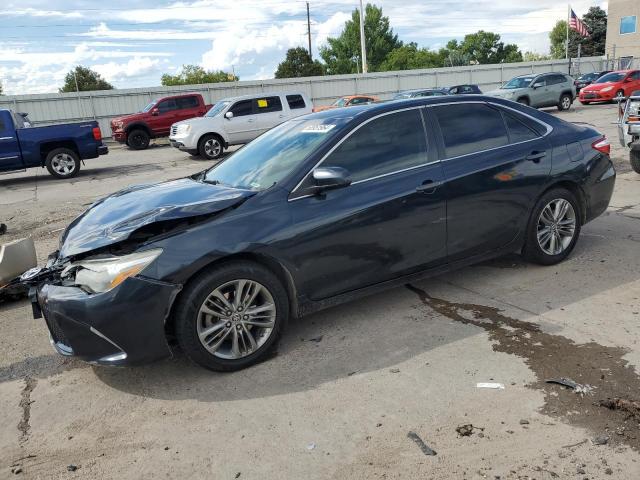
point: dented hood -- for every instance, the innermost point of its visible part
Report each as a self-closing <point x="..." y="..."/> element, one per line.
<point x="115" y="217"/>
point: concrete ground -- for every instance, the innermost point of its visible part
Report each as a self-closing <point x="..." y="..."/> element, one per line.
<point x="353" y="390"/>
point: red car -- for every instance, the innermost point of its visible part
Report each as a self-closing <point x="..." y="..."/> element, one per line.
<point x="155" y="120"/>
<point x="611" y="86"/>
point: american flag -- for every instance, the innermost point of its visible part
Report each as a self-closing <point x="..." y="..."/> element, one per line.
<point x="578" y="25"/>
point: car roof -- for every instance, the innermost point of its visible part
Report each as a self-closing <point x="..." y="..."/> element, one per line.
<point x="257" y="95"/>
<point x="373" y="109"/>
<point x="430" y="89"/>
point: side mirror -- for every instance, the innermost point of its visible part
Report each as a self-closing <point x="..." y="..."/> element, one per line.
<point x="155" y="112"/>
<point x="228" y="115"/>
<point x="538" y="85"/>
<point x="329" y="178"/>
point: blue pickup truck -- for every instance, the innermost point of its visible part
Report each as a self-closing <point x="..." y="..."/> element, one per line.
<point x="60" y="148"/>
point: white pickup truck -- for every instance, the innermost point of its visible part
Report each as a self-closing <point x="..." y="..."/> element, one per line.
<point x="235" y="121"/>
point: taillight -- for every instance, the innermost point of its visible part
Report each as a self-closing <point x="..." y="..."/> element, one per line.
<point x="602" y="145"/>
<point x="97" y="134"/>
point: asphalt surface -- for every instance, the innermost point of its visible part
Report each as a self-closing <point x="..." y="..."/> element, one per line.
<point x="364" y="390"/>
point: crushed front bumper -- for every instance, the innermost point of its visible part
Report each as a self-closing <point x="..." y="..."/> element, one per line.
<point x="124" y="326"/>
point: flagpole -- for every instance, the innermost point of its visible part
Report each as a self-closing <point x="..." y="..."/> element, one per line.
<point x="566" y="48"/>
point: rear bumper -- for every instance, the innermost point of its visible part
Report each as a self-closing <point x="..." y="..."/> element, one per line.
<point x="103" y="150"/>
<point x="600" y="192"/>
<point x="124" y="326"/>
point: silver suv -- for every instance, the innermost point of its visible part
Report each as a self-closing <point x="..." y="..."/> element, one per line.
<point x="544" y="90"/>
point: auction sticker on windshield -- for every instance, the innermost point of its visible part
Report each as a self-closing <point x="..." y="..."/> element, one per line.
<point x="318" y="128"/>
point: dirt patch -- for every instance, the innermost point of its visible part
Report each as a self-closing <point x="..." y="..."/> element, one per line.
<point x="551" y="356"/>
<point x="25" y="404"/>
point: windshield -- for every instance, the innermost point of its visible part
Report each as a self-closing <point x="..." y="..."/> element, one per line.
<point x="217" y="108"/>
<point x="149" y="107"/>
<point x="272" y="156"/>
<point x="518" y="82"/>
<point x="588" y="76"/>
<point x="341" y="102"/>
<point x="611" y="77"/>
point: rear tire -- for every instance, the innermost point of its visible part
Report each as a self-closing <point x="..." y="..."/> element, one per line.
<point x="63" y="163"/>
<point x="192" y="323"/>
<point x="565" y="102"/>
<point x="138" y="140"/>
<point x="634" y="157"/>
<point x="551" y="238"/>
<point x="210" y="147"/>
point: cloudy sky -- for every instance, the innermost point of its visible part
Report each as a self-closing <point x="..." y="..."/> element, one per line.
<point x="132" y="42"/>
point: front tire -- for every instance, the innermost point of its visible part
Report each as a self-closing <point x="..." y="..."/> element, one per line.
<point x="565" y="102"/>
<point x="138" y="140"/>
<point x="210" y="147"/>
<point x="524" y="101"/>
<point x="63" y="163"/>
<point x="634" y="158"/>
<point x="232" y="316"/>
<point x="619" y="95"/>
<point x="554" y="227"/>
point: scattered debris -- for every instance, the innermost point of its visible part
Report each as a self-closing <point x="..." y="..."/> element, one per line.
<point x="576" y="387"/>
<point x="166" y="448"/>
<point x="580" y="470"/>
<point x="600" y="440"/>
<point x="72" y="468"/>
<point x="311" y="446"/>
<point x="465" y="430"/>
<point x="575" y="444"/>
<point x="378" y="425"/>
<point x="423" y="446"/>
<point x="317" y="339"/>
<point x="395" y="370"/>
<point x="16" y="470"/>
<point x="495" y="386"/>
<point x="238" y="474"/>
<point x="608" y="471"/>
<point x="628" y="406"/>
<point x="524" y="422"/>
<point x="25" y="403"/>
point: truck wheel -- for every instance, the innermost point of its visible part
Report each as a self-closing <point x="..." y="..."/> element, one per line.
<point x="210" y="147"/>
<point x="138" y="140"/>
<point x="565" y="102"/>
<point x="62" y="163"/>
<point x="634" y="157"/>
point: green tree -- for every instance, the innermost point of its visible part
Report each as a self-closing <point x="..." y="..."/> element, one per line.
<point x="196" y="75"/>
<point x="485" y="47"/>
<point x="594" y="44"/>
<point x="410" y="57"/>
<point x="342" y="54"/>
<point x="535" y="57"/>
<point x="298" y="63"/>
<point x="84" y="79"/>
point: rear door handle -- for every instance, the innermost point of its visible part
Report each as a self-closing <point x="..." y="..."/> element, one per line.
<point x="535" y="157"/>
<point x="428" y="187"/>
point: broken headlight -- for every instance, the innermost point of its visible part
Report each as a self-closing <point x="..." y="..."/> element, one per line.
<point x="102" y="274"/>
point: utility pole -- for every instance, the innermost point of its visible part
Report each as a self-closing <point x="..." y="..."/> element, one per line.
<point x="363" y="48"/>
<point x="309" y="31"/>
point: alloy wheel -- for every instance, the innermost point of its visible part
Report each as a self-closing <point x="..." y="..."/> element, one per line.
<point x="236" y="319"/>
<point x="556" y="226"/>
<point x="212" y="148"/>
<point x="63" y="164"/>
<point x="566" y="103"/>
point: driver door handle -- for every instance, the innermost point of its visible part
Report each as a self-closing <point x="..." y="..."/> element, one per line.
<point x="428" y="187"/>
<point x="535" y="157"/>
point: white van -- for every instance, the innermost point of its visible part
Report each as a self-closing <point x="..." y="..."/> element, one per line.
<point x="235" y="121"/>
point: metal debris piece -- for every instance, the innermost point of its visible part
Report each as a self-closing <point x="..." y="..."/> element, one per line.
<point x="495" y="386"/>
<point x="566" y="382"/>
<point x="600" y="440"/>
<point x="423" y="446"/>
<point x="465" y="430"/>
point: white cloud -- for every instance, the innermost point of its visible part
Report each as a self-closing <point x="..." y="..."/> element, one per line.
<point x="134" y="68"/>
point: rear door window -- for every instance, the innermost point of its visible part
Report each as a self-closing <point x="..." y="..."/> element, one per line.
<point x="295" y="101"/>
<point x="387" y="144"/>
<point x="242" y="108"/>
<point x="267" y="104"/>
<point x="470" y="127"/>
<point x="187" y="102"/>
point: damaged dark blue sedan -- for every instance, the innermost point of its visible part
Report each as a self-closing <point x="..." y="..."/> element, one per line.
<point x="318" y="211"/>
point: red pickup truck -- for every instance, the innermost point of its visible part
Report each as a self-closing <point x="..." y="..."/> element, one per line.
<point x="155" y="120"/>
